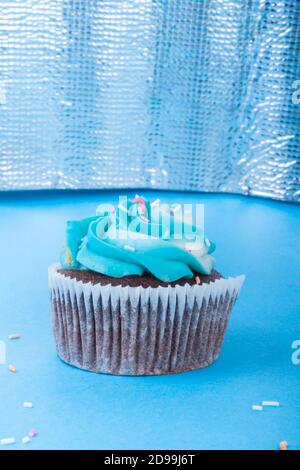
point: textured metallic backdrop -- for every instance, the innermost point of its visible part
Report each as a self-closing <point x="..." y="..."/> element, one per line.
<point x="170" y="94"/>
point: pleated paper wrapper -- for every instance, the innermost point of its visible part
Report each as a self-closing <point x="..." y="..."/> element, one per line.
<point x="140" y="331"/>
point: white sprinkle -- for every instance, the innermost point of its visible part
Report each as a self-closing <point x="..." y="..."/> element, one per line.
<point x="14" y="336"/>
<point x="189" y="247"/>
<point x="257" y="408"/>
<point x="271" y="403"/>
<point x="129" y="248"/>
<point x="27" y="404"/>
<point x="8" y="441"/>
<point x="26" y="440"/>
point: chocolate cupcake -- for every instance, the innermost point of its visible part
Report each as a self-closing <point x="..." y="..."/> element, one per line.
<point x="133" y="296"/>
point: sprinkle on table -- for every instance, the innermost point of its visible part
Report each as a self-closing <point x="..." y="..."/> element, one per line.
<point x="8" y="441"/>
<point x="283" y="445"/>
<point x="14" y="336"/>
<point x="12" y="368"/>
<point x="32" y="433"/>
<point x="271" y="403"/>
<point x="28" y="404"/>
<point x="26" y="440"/>
<point x="257" y="408"/>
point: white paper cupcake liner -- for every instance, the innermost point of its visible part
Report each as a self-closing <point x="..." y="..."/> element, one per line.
<point x="140" y="331"/>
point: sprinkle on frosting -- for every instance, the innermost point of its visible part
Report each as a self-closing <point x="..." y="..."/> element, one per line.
<point x="129" y="248"/>
<point x="69" y="259"/>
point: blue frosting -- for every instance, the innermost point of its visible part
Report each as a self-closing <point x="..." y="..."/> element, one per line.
<point x="117" y="243"/>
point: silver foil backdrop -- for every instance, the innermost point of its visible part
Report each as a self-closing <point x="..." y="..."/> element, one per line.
<point x="169" y="94"/>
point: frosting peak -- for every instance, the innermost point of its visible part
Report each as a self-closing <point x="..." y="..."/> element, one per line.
<point x="136" y="237"/>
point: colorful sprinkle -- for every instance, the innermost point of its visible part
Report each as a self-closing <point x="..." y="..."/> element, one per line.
<point x="27" y="404"/>
<point x="198" y="281"/>
<point x="257" y="408"/>
<point x="142" y="209"/>
<point x="68" y="259"/>
<point x="271" y="403"/>
<point x="12" y="368"/>
<point x="8" y="441"/>
<point x="283" y="445"/>
<point x="189" y="247"/>
<point x="14" y="336"/>
<point x="32" y="433"/>
<point x="138" y="199"/>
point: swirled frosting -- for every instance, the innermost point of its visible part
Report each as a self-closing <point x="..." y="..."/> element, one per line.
<point x="134" y="238"/>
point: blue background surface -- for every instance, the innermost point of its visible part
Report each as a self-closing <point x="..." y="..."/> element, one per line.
<point x="206" y="409"/>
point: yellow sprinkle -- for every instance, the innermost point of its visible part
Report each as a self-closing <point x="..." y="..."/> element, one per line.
<point x="283" y="445"/>
<point x="69" y="259"/>
<point x="12" y="368"/>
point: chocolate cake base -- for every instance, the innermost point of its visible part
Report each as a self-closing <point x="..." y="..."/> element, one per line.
<point x="129" y="330"/>
<point x="147" y="280"/>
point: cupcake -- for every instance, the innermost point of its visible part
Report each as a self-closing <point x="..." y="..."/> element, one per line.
<point x="136" y="292"/>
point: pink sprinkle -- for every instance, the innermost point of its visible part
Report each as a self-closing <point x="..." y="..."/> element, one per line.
<point x="32" y="433"/>
<point x="138" y="199"/>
